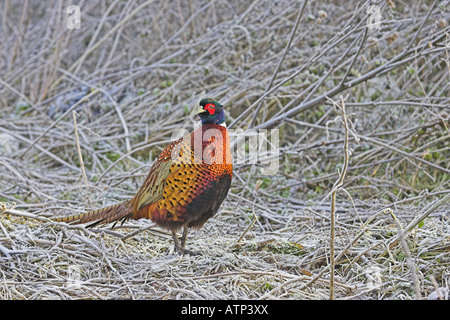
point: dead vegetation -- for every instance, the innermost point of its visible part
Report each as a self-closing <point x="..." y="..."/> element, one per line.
<point x="133" y="74"/>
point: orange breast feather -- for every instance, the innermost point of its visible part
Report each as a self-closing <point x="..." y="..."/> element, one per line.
<point x="182" y="172"/>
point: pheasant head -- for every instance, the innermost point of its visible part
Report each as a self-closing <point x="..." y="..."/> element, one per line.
<point x="211" y="111"/>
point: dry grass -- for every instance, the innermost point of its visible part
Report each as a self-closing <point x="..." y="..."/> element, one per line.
<point x="133" y="74"/>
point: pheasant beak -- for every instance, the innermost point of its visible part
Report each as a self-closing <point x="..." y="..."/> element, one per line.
<point x="201" y="110"/>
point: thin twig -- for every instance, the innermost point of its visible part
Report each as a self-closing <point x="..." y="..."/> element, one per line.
<point x="255" y="218"/>
<point x="409" y="259"/>
<point x="436" y="288"/>
<point x="432" y="207"/>
<point x="335" y="189"/>
<point x="338" y="257"/>
<point x="286" y="50"/>
<point x="77" y="142"/>
<point x="105" y="37"/>
<point x="35" y="141"/>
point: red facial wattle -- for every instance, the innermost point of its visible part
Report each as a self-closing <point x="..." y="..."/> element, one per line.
<point x="211" y="108"/>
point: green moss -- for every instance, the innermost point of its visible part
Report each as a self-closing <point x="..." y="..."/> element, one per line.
<point x="113" y="156"/>
<point x="266" y="182"/>
<point x="277" y="246"/>
<point x="22" y="106"/>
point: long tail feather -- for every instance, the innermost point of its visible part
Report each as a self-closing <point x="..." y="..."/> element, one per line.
<point x="100" y="216"/>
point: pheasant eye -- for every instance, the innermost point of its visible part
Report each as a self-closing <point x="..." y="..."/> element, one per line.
<point x="211" y="108"/>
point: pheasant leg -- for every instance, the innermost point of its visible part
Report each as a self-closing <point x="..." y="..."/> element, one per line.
<point x="180" y="248"/>
<point x="184" y="236"/>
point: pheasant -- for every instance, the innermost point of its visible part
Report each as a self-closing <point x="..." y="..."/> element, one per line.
<point x="186" y="184"/>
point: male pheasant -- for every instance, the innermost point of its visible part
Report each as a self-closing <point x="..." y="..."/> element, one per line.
<point x="186" y="184"/>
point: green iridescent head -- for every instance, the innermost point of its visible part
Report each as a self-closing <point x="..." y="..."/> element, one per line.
<point x="211" y="111"/>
